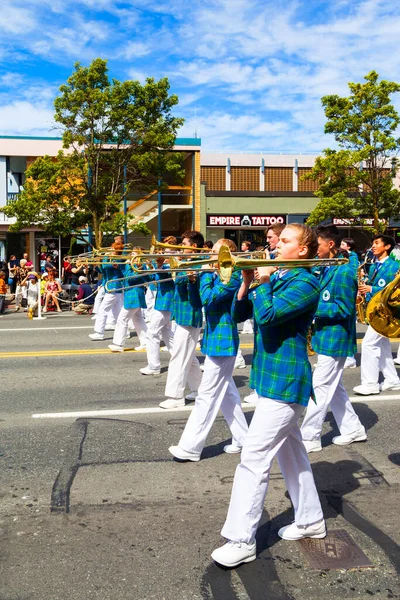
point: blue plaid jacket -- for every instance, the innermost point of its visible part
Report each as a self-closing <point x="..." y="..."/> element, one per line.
<point x="283" y="311"/>
<point x="135" y="297"/>
<point x="353" y="260"/>
<point x="165" y="291"/>
<point x="380" y="278"/>
<point x="109" y="272"/>
<point x="335" y="319"/>
<point x="187" y="303"/>
<point x="220" y="334"/>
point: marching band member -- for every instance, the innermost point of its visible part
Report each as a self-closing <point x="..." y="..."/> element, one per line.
<point x="183" y="365"/>
<point x="283" y="306"/>
<point x="376" y="352"/>
<point x="217" y="389"/>
<point x="248" y="324"/>
<point x="133" y="303"/>
<point x="349" y="246"/>
<point x="272" y="236"/>
<point x="334" y="339"/>
<point x="160" y="317"/>
<point x="112" y="300"/>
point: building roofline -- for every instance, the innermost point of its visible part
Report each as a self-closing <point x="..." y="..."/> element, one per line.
<point x="178" y="141"/>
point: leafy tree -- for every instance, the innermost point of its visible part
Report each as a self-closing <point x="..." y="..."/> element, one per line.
<point x="356" y="181"/>
<point x="117" y="136"/>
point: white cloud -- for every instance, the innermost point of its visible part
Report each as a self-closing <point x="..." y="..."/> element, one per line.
<point x="26" y="118"/>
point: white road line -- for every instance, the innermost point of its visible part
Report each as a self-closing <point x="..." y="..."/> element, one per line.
<point x="54" y="328"/>
<point x="156" y="409"/>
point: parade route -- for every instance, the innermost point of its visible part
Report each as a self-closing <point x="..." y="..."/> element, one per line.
<point x="88" y="484"/>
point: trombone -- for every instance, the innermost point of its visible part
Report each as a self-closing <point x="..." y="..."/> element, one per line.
<point x="226" y="264"/>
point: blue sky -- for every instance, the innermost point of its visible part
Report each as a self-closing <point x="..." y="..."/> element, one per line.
<point x="249" y="74"/>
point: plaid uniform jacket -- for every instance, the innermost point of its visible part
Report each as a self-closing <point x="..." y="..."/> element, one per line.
<point x="135" y="297"/>
<point x="187" y="304"/>
<point x="165" y="291"/>
<point x="220" y="334"/>
<point x="109" y="272"/>
<point x="380" y="278"/>
<point x="335" y="319"/>
<point x="283" y="311"/>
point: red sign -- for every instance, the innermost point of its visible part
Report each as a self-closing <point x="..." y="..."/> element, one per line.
<point x="245" y="220"/>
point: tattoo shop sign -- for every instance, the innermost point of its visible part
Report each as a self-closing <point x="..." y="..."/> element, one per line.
<point x="245" y="220"/>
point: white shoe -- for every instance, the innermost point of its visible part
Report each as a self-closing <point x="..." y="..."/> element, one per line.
<point x="396" y="361"/>
<point x="109" y="328"/>
<point x="251" y="398"/>
<point x="164" y="349"/>
<point x="366" y="390"/>
<point x="293" y="532"/>
<point x="350" y="363"/>
<point x="192" y="395"/>
<point x="148" y="371"/>
<point x="94" y="317"/>
<point x="312" y="445"/>
<point x="140" y="348"/>
<point x="173" y="403"/>
<point x="96" y="336"/>
<point x="233" y="554"/>
<point x="232" y="449"/>
<point x="202" y="367"/>
<point x="247" y="331"/>
<point x="345" y="440"/>
<point x="182" y="454"/>
<point x="240" y="363"/>
<point x="198" y="346"/>
<point x="389" y="386"/>
<point x="115" y="348"/>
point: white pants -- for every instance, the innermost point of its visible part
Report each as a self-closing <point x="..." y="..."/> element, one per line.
<point x="20" y="292"/>
<point x="376" y="355"/>
<point x="121" y="328"/>
<point x="150" y="301"/>
<point x="329" y="390"/>
<point x="273" y="431"/>
<point x="183" y="365"/>
<point x="248" y="326"/>
<point x="98" y="298"/>
<point x="158" y="328"/>
<point x="217" y="391"/>
<point x="111" y="305"/>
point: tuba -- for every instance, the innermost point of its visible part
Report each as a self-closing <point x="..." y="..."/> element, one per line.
<point x="383" y="310"/>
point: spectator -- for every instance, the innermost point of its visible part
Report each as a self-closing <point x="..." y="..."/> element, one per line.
<point x="52" y="289"/>
<point x="20" y="291"/>
<point x="32" y="287"/>
<point x="246" y="246"/>
<point x="85" y="297"/>
<point x="48" y="265"/>
<point x="3" y="291"/>
<point x="79" y="270"/>
<point x="66" y="273"/>
<point x="29" y="263"/>
<point x="13" y="263"/>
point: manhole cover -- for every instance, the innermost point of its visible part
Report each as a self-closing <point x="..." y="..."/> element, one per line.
<point x="336" y="551"/>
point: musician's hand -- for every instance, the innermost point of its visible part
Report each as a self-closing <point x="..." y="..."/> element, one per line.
<point x="363" y="288"/>
<point x="191" y="275"/>
<point x="160" y="262"/>
<point x="264" y="273"/>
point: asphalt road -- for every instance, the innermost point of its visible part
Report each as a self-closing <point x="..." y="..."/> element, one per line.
<point x="92" y="506"/>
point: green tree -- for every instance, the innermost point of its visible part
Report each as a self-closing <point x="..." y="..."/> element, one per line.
<point x="356" y="181"/>
<point x="117" y="137"/>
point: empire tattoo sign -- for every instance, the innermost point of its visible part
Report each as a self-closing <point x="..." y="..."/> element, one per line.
<point x="244" y="220"/>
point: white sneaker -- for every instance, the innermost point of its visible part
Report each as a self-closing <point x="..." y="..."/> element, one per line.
<point x="350" y="363"/>
<point x="148" y="371"/>
<point x="109" y="328"/>
<point x="389" y="386"/>
<point x="233" y="554"/>
<point x="247" y="331"/>
<point x="140" y="348"/>
<point x="240" y="363"/>
<point x="251" y="398"/>
<point x="115" y="348"/>
<point x="396" y="361"/>
<point x="366" y="390"/>
<point x="293" y="532"/>
<point x="192" y="395"/>
<point x="94" y="317"/>
<point x="232" y="449"/>
<point x="312" y="445"/>
<point x="345" y="440"/>
<point x="173" y="403"/>
<point x="164" y="349"/>
<point x="96" y="336"/>
<point x="182" y="454"/>
<point x="202" y="367"/>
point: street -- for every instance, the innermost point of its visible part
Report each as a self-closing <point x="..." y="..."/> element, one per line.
<point x="93" y="506"/>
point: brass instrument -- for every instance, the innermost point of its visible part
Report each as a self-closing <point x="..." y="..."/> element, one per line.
<point x="383" y="310"/>
<point x="361" y="302"/>
<point x="155" y="245"/>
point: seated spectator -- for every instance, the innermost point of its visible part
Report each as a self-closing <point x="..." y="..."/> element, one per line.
<point x="85" y="297"/>
<point x="31" y="283"/>
<point x="52" y="289"/>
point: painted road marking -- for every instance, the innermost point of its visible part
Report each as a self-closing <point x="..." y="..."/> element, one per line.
<point x="151" y="410"/>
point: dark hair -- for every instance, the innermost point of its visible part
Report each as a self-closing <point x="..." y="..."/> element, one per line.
<point x="277" y="228"/>
<point x="208" y="244"/>
<point x="2" y="274"/>
<point x="329" y="232"/>
<point x="350" y="242"/>
<point x="386" y="239"/>
<point x="194" y="237"/>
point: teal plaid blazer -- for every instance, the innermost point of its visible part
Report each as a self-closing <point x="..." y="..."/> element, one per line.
<point x="220" y="333"/>
<point x="187" y="304"/>
<point x="135" y="297"/>
<point x="334" y="327"/>
<point x="283" y="311"/>
<point x="110" y="272"/>
<point x="165" y="291"/>
<point x="380" y="277"/>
